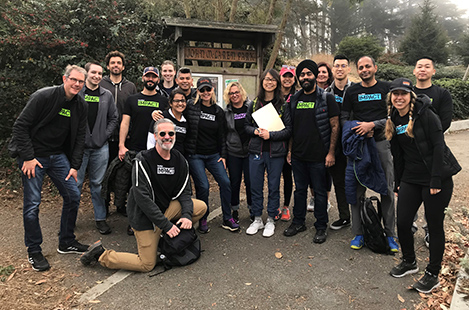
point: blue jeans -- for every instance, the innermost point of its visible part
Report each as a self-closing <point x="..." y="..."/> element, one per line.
<point x="306" y="173"/>
<point x="57" y="168"/>
<point x="274" y="165"/>
<point x="236" y="167"/>
<point x="95" y="160"/>
<point x="197" y="165"/>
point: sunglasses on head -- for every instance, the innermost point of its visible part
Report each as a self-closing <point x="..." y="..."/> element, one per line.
<point x="288" y="67"/>
<point x="163" y="133"/>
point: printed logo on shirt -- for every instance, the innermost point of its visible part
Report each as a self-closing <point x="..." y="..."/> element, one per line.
<point x="89" y="98"/>
<point x="339" y="99"/>
<point x="160" y="169"/>
<point x="369" y="97"/>
<point x="401" y="129"/>
<point x="65" y="112"/>
<point x="207" y="117"/>
<point x="145" y="103"/>
<point x="239" y="116"/>
<point x="305" y="105"/>
<point x="180" y="129"/>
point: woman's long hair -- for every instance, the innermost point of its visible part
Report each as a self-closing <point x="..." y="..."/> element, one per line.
<point x="213" y="99"/>
<point x="390" y="128"/>
<point x="242" y="92"/>
<point x="278" y="97"/>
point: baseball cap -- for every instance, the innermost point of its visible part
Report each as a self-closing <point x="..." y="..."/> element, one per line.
<point x="204" y="82"/>
<point x="151" y="70"/>
<point x="287" y="69"/>
<point x="401" y="84"/>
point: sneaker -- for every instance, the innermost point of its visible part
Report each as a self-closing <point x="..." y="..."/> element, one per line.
<point x="403" y="269"/>
<point x="339" y="224"/>
<point x="203" y="226"/>
<point x="74" y="248"/>
<point x="269" y="228"/>
<point x="236" y="216"/>
<point x="414" y="228"/>
<point x="285" y="214"/>
<point x="426" y="283"/>
<point x="230" y="225"/>
<point x="38" y="261"/>
<point x="357" y="242"/>
<point x="393" y="245"/>
<point x="320" y="236"/>
<point x="293" y="229"/>
<point x="310" y="206"/>
<point x="329" y="206"/>
<point x="279" y="214"/>
<point x="255" y="226"/>
<point x="103" y="227"/>
<point x="92" y="254"/>
<point x="426" y="239"/>
<point x="130" y="231"/>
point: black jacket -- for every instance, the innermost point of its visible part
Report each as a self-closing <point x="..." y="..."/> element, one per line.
<point x="233" y="141"/>
<point x="429" y="140"/>
<point x="42" y="107"/>
<point x="192" y="114"/>
<point x="278" y="139"/>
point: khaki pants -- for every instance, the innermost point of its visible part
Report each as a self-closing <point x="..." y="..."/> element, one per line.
<point x="147" y="242"/>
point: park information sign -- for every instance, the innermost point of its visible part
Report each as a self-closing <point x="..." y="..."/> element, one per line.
<point x="220" y="54"/>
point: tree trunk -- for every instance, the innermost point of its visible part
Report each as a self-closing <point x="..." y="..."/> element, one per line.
<point x="187" y="10"/>
<point x="270" y="15"/>
<point x="234" y="7"/>
<point x="278" y="40"/>
<point x="219" y="16"/>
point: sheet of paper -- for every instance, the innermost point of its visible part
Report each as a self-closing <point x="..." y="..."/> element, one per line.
<point x="268" y="118"/>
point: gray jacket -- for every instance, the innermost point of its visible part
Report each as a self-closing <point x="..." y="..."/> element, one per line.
<point x="233" y="140"/>
<point x="106" y="120"/>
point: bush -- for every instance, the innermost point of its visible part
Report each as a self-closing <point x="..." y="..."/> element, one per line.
<point x="389" y="72"/>
<point x="459" y="91"/>
<point x="356" y="47"/>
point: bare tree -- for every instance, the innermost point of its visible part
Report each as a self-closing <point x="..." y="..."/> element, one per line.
<point x="270" y="15"/>
<point x="234" y="7"/>
<point x="278" y="40"/>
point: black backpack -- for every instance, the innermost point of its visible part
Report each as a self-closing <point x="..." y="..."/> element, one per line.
<point x="182" y="250"/>
<point x="373" y="232"/>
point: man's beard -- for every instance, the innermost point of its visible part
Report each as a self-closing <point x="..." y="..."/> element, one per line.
<point x="308" y="84"/>
<point x="149" y="87"/>
<point x="164" y="146"/>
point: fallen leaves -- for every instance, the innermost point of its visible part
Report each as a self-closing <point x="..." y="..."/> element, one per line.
<point x="401" y="299"/>
<point x="278" y="255"/>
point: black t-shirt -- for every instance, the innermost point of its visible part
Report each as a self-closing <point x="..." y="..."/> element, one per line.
<point x="207" y="136"/>
<point x="441" y="101"/>
<point x="339" y="96"/>
<point x="168" y="90"/>
<point x="139" y="107"/>
<point x="307" y="142"/>
<point x="367" y="104"/>
<point x="51" y="139"/>
<point x="239" y="115"/>
<point x="92" y="98"/>
<point x="415" y="171"/>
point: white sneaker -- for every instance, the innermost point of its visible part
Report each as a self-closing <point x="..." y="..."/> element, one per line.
<point x="255" y="226"/>
<point x="310" y="206"/>
<point x="269" y="228"/>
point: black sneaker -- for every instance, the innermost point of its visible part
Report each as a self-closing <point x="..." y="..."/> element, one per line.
<point x="130" y="231"/>
<point x="293" y="229"/>
<point x="103" y="227"/>
<point x="92" y="254"/>
<point x="340" y="223"/>
<point x="38" y="261"/>
<point x="320" y="236"/>
<point x="74" y="248"/>
<point x="403" y="269"/>
<point x="236" y="216"/>
<point x="426" y="283"/>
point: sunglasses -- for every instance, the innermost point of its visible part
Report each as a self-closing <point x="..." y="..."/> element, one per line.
<point x="163" y="133"/>
<point x="205" y="89"/>
<point x="288" y="67"/>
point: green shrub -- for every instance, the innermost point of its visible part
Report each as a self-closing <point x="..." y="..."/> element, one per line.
<point x="356" y="47"/>
<point x="459" y="91"/>
<point x="389" y="72"/>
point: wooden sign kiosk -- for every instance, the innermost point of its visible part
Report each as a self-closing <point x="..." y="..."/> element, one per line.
<point x="224" y="52"/>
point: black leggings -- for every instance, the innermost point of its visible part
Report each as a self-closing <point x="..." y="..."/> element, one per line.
<point x="287" y="183"/>
<point x="408" y="203"/>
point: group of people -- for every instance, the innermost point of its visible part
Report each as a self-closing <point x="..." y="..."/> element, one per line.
<point x="170" y="131"/>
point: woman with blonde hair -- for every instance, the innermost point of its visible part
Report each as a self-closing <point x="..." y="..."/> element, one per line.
<point x="423" y="167"/>
<point x="237" y="140"/>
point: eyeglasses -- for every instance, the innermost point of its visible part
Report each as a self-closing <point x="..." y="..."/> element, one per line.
<point x="163" y="133"/>
<point x="74" y="81"/>
<point x="179" y="100"/>
<point x="289" y="67"/>
<point x="270" y="80"/>
<point x="205" y="89"/>
<point x="233" y="93"/>
<point x="343" y="66"/>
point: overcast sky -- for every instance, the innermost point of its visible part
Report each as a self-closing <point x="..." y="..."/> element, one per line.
<point x="463" y="4"/>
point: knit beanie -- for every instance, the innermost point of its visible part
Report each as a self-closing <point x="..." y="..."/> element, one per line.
<point x="307" y="63"/>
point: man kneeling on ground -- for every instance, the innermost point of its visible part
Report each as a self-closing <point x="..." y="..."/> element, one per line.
<point x="160" y="194"/>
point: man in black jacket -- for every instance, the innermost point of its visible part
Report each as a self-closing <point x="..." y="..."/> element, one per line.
<point x="160" y="195"/>
<point x="49" y="138"/>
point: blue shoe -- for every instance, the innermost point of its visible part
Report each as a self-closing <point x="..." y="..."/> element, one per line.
<point x="357" y="242"/>
<point x="393" y="245"/>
